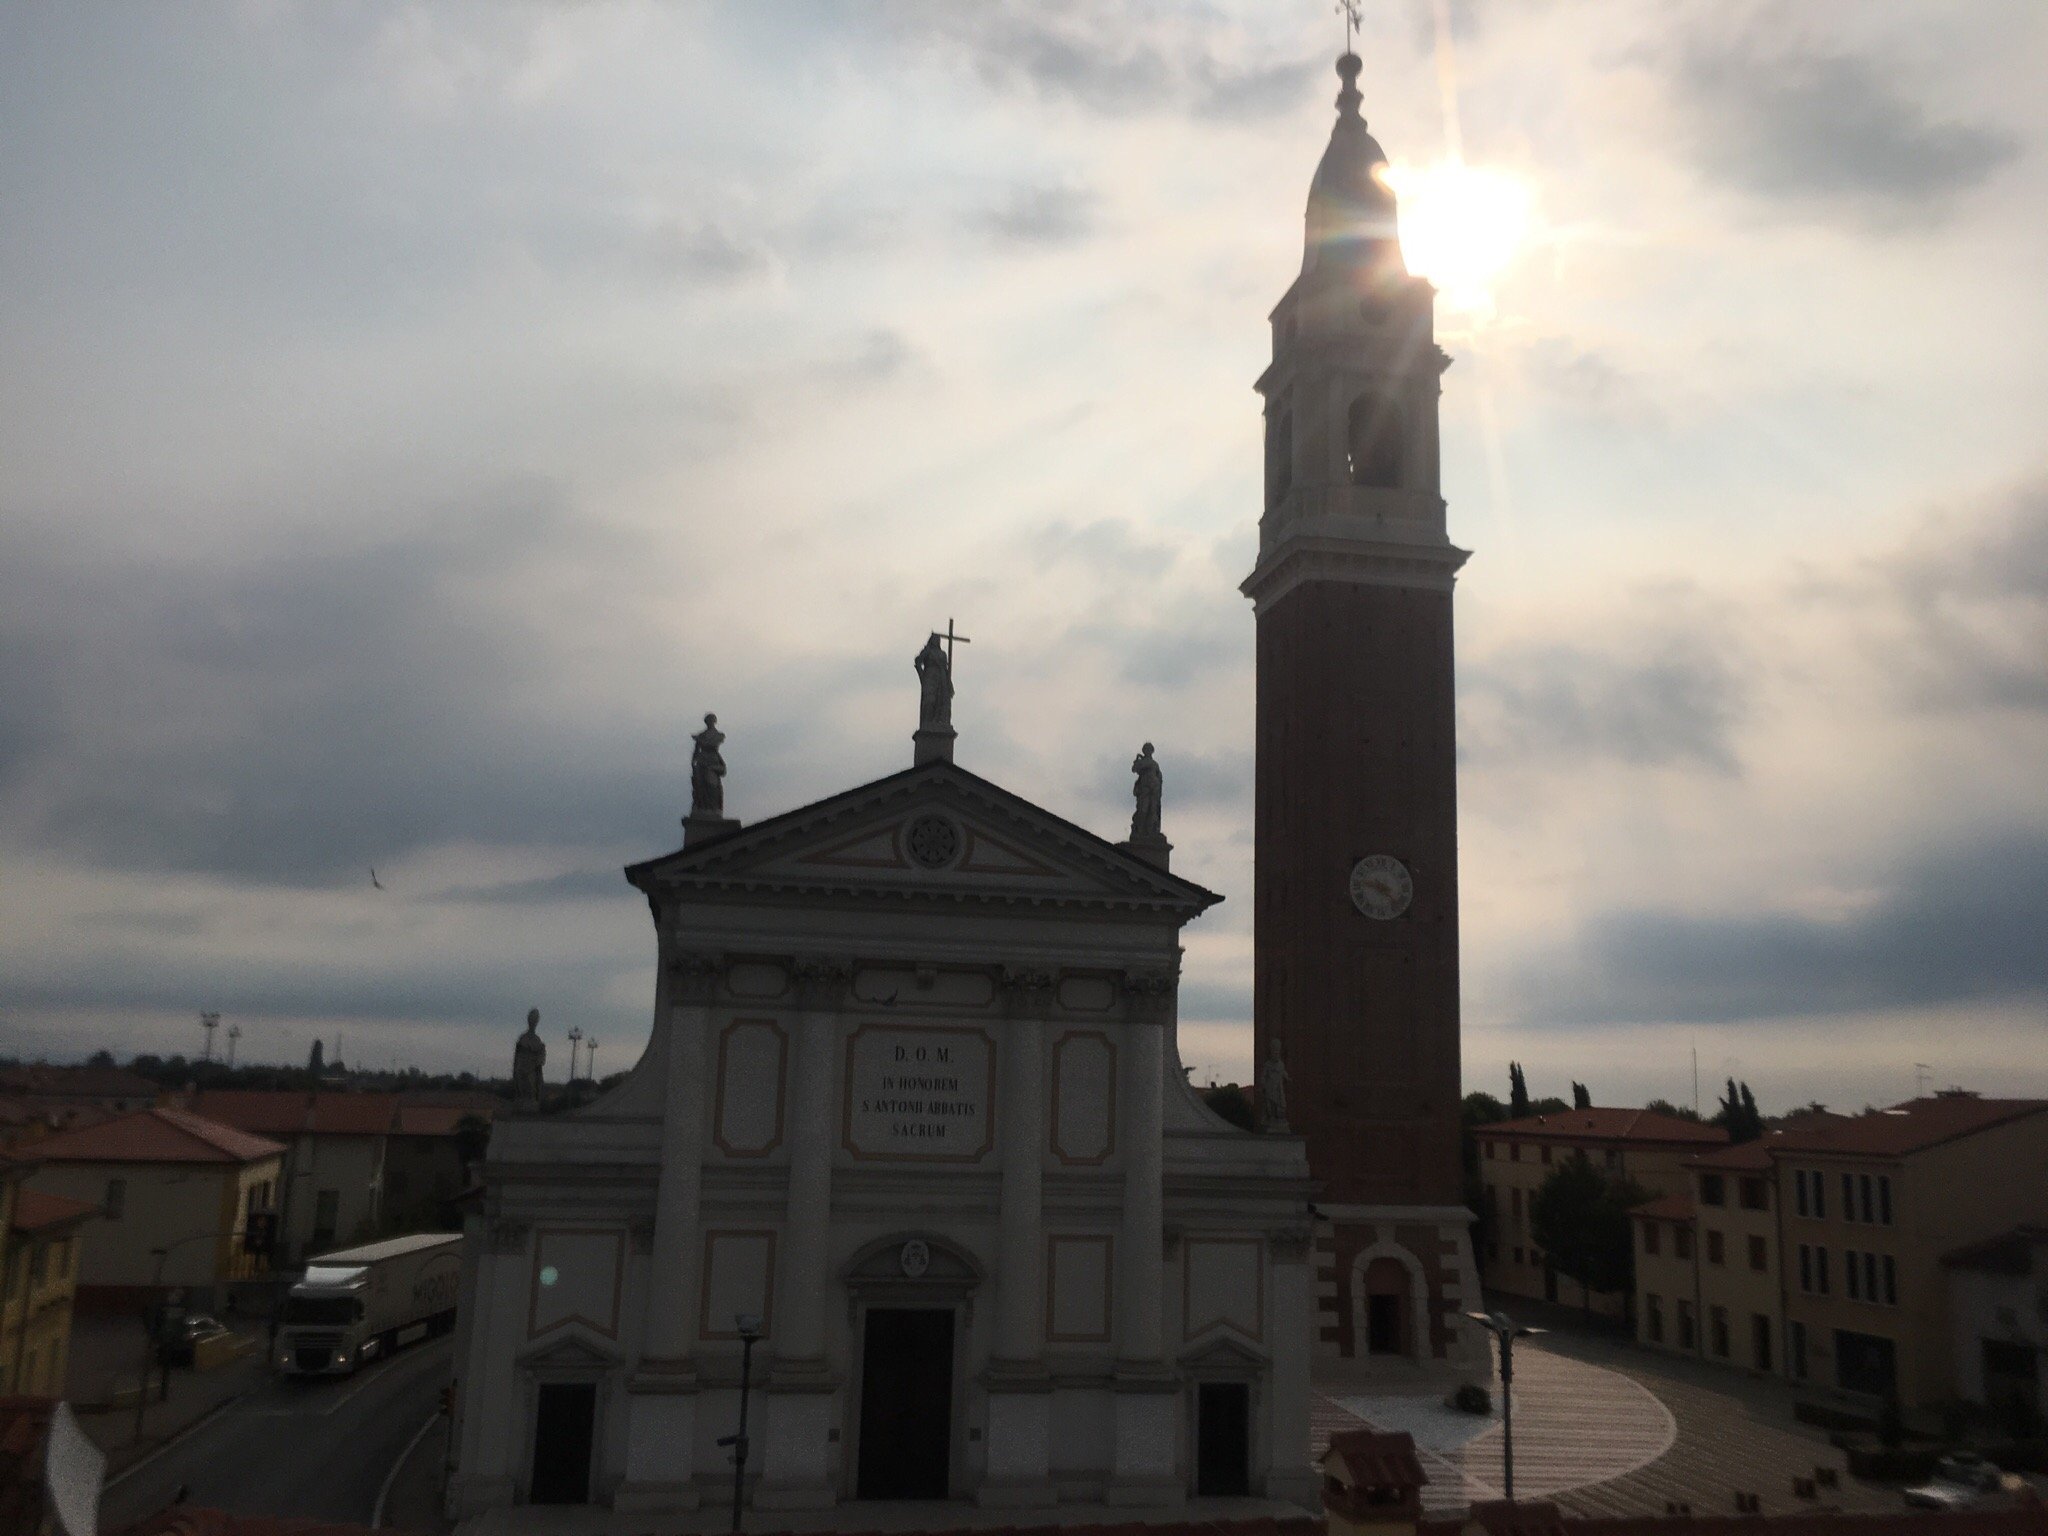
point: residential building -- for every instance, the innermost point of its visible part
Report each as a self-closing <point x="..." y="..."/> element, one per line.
<point x="1708" y="1278"/>
<point x="1998" y="1318"/>
<point x="356" y="1165"/>
<point x="1817" y="1252"/>
<point x="40" y="1271"/>
<point x="171" y="1193"/>
<point x="1516" y="1156"/>
<point x="108" y="1088"/>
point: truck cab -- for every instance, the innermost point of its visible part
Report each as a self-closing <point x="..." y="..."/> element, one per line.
<point x="324" y="1327"/>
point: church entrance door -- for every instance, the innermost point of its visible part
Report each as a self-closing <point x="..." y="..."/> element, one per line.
<point x="1223" y="1432"/>
<point x="906" y="1403"/>
<point x="1383" y="1324"/>
<point x="563" y="1418"/>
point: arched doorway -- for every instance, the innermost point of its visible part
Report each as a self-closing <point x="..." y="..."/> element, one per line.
<point x="1389" y="1303"/>
<point x="909" y="1296"/>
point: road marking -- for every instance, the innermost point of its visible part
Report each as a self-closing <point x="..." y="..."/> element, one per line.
<point x="177" y="1438"/>
<point x="391" y="1477"/>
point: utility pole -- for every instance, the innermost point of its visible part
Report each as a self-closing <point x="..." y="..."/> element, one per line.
<point x="1923" y="1074"/>
<point x="209" y="1022"/>
<point x="234" y="1034"/>
<point x="590" y="1058"/>
<point x="575" y="1034"/>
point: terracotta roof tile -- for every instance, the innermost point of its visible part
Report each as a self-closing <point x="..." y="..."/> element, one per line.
<point x="156" y="1135"/>
<point x="1904" y="1128"/>
<point x="1674" y="1207"/>
<point x="34" y="1210"/>
<point x="294" y="1113"/>
<point x="1377" y="1459"/>
<point x="1598" y="1124"/>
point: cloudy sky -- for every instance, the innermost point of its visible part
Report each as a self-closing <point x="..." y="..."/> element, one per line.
<point x="413" y="418"/>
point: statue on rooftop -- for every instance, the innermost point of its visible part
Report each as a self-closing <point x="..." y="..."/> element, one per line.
<point x="1273" y="1088"/>
<point x="934" y="685"/>
<point x="1147" y="791"/>
<point x="528" y="1055"/>
<point x="707" y="771"/>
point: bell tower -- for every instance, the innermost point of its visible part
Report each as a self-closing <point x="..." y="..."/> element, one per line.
<point x="1356" y="904"/>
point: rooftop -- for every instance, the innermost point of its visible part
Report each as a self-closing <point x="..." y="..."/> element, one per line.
<point x="35" y="1211"/>
<point x="1596" y="1124"/>
<point x="1904" y="1128"/>
<point x="293" y="1112"/>
<point x="156" y="1135"/>
<point x="1666" y="1208"/>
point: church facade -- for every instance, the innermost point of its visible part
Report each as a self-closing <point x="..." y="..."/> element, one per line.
<point x="1356" y="902"/>
<point x="912" y="1117"/>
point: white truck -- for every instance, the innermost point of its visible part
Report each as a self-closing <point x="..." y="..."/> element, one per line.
<point x="360" y="1304"/>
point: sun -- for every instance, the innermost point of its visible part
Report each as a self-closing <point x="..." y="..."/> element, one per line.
<point x="1461" y="227"/>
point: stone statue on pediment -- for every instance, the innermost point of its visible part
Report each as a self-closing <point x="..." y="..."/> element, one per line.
<point x="707" y="770"/>
<point x="1273" y="1088"/>
<point x="1148" y="791"/>
<point x="934" y="686"/>
<point x="528" y="1056"/>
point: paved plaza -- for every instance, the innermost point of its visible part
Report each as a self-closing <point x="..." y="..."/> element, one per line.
<point x="1604" y="1428"/>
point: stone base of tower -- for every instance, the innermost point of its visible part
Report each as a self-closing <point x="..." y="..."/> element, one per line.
<point x="1393" y="1285"/>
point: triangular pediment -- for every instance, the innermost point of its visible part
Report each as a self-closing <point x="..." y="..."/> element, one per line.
<point x="934" y="831"/>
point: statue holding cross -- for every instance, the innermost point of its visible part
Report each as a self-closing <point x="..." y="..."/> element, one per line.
<point x="934" y="666"/>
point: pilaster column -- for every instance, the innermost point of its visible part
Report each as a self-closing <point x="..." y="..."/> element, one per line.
<point x="804" y="1253"/>
<point x="662" y="1413"/>
<point x="1020" y="1273"/>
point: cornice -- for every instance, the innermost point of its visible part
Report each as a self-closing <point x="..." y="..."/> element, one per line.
<point x="1296" y="559"/>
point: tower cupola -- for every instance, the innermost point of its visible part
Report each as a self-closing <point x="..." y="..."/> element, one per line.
<point x="1351" y="219"/>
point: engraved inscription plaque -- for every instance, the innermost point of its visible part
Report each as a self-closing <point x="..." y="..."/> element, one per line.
<point x="923" y="1094"/>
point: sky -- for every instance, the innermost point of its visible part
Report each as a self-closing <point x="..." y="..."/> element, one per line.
<point x="414" y="418"/>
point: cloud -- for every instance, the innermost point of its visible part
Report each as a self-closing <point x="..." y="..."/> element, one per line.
<point x="1964" y="923"/>
<point x="1830" y="129"/>
<point x="1670" y="700"/>
<point x="1042" y="215"/>
<point x="1117" y="62"/>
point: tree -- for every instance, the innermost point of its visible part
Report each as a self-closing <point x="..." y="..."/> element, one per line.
<point x="1518" y="1092"/>
<point x="316" y="1059"/>
<point x="1738" y="1114"/>
<point x="100" y="1058"/>
<point x="1582" y="1098"/>
<point x="1580" y="1220"/>
<point x="1676" y="1111"/>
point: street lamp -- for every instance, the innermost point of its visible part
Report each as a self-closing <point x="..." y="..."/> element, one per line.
<point x="749" y="1328"/>
<point x="1507" y="1330"/>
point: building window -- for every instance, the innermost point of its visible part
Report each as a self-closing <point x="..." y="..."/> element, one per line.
<point x="1688" y="1334"/>
<point x="1651" y="1241"/>
<point x="1820" y="1196"/>
<point x="1489" y="1151"/>
<point x="1711" y="1190"/>
<point x="1799" y="1188"/>
<point x="1681" y="1241"/>
<point x="1516" y="1202"/>
<point x="1805" y="1267"/>
<point x="1514" y="1151"/>
<point x="326" y="1216"/>
<point x="117" y="1198"/>
<point x="1714" y="1248"/>
<point x="1849" y="1285"/>
<point x="1870" y="1277"/>
<point x="1717" y="1322"/>
<point x="1753" y="1195"/>
<point x="1820" y="1270"/>
<point x="1757" y="1258"/>
<point x="1795" y="1345"/>
<point x="1891" y="1281"/>
<point x="1518" y="1255"/>
<point x="1848" y="1197"/>
<point x="1865" y="1363"/>
<point x="38" y="1264"/>
<point x="1869" y="1206"/>
<point x="1760" y="1341"/>
<point x="1653" y="1318"/>
<point x="1884" y="1199"/>
<point x="1372" y="441"/>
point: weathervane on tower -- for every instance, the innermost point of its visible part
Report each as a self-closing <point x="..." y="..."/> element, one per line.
<point x="1348" y="9"/>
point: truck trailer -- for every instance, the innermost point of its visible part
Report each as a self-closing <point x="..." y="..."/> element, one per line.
<point x="360" y="1304"/>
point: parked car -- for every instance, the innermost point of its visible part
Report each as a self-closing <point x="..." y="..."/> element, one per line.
<point x="1965" y="1481"/>
<point x="180" y="1335"/>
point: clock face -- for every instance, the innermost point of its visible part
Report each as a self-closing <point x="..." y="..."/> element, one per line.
<point x="1381" y="886"/>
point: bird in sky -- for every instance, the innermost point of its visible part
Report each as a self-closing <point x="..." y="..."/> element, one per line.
<point x="374" y="881"/>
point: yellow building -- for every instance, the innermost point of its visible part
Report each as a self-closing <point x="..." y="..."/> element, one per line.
<point x="1816" y="1252"/>
<point x="171" y="1195"/>
<point x="1516" y="1156"/>
<point x="41" y="1268"/>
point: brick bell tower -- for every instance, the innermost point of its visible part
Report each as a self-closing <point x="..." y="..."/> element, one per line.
<point x="1356" y="908"/>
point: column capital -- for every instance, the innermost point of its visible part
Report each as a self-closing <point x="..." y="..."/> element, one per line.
<point x="694" y="975"/>
<point x="1026" y="989"/>
<point x="820" y="981"/>
<point x="1151" y="992"/>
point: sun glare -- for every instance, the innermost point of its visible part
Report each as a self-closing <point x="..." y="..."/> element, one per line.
<point x="1461" y="227"/>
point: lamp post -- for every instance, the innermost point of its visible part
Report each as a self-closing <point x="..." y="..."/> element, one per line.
<point x="1507" y="1330"/>
<point x="749" y="1328"/>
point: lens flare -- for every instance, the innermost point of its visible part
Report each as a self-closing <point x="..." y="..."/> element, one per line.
<point x="1461" y="227"/>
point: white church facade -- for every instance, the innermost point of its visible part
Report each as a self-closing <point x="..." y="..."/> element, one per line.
<point x="912" y="1113"/>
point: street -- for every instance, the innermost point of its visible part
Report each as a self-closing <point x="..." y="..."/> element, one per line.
<point x="319" y="1449"/>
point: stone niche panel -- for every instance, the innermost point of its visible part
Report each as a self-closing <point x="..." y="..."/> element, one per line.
<point x="919" y="1093"/>
<point x="1223" y="1286"/>
<point x="1087" y="994"/>
<point x="576" y="1278"/>
<point x="739" y="1277"/>
<point x="753" y="1058"/>
<point x="756" y="979"/>
<point x="923" y="987"/>
<point x="1083" y="1117"/>
<point x="1078" y="1271"/>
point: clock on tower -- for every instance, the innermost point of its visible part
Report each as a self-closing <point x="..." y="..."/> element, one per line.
<point x="1356" y="907"/>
